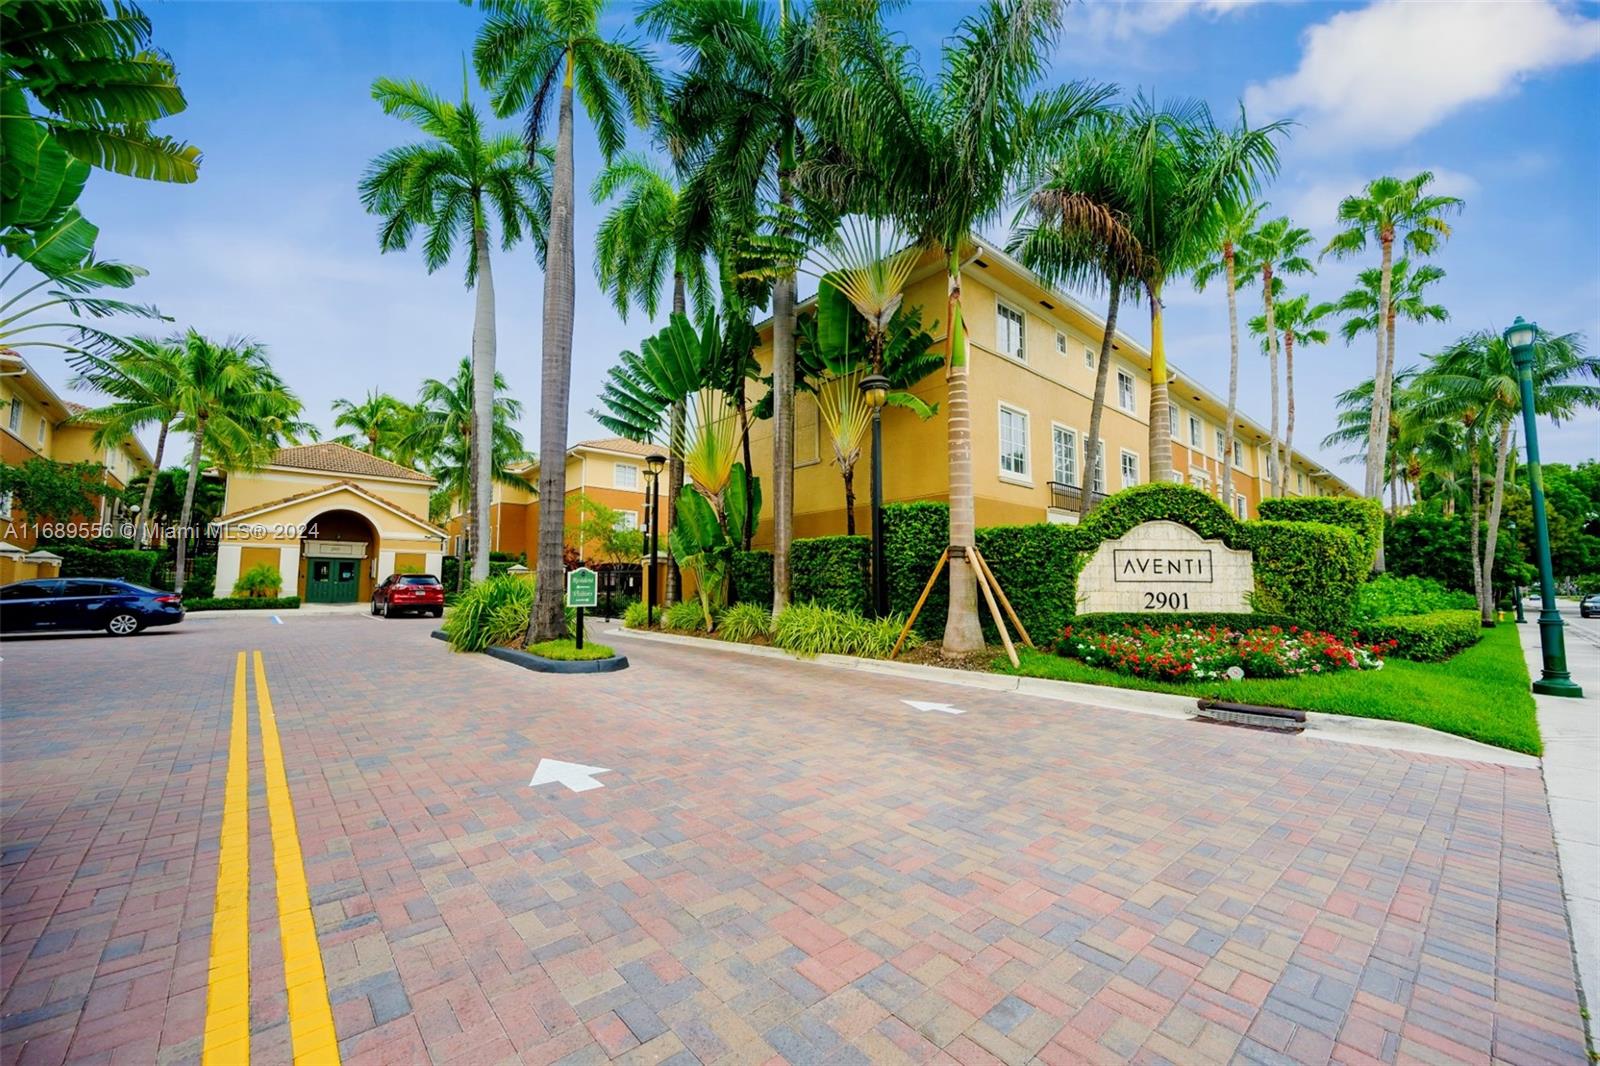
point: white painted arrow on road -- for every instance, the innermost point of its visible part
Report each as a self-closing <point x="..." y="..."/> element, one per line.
<point x="944" y="707"/>
<point x="575" y="775"/>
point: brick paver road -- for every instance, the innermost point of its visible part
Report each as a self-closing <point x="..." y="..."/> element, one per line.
<point x="784" y="860"/>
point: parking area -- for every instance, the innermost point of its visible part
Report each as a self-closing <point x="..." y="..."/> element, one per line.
<point x="729" y="859"/>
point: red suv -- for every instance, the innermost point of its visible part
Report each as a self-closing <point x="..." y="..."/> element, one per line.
<point x="408" y="592"/>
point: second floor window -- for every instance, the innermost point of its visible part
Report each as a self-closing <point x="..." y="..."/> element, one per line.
<point x="1195" y="436"/>
<point x="1061" y="343"/>
<point x="1238" y="454"/>
<point x="1172" y="420"/>
<point x="1064" y="449"/>
<point x="42" y="424"/>
<point x="1099" y="483"/>
<point x="1220" y="449"/>
<point x="14" y="419"/>
<point x="1088" y="358"/>
<point x="1008" y="332"/>
<point x="624" y="476"/>
<point x="1013" y="442"/>
<point x="1125" y="390"/>
<point x="1130" y="469"/>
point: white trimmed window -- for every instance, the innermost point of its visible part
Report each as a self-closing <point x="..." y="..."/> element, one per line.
<point x="1240" y="506"/>
<point x="1088" y="358"/>
<point x="5" y="505"/>
<point x="627" y="519"/>
<point x="1199" y="479"/>
<point x="15" y="418"/>
<point x="1300" y="480"/>
<point x="1172" y="420"/>
<point x="42" y="424"/>
<point x="1099" y="484"/>
<point x="1238" y="453"/>
<point x="1064" y="455"/>
<point x="1061" y="343"/>
<point x="624" y="476"/>
<point x="1196" y="436"/>
<point x="1221" y="442"/>
<point x="1008" y="332"/>
<point x="1125" y="398"/>
<point x="1130" y="469"/>
<point x="1013" y="442"/>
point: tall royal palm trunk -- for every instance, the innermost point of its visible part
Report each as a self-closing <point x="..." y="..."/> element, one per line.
<point x="1226" y="458"/>
<point x="1288" y="413"/>
<point x="483" y="358"/>
<point x="1097" y="409"/>
<point x="548" y="621"/>
<point x="963" y="633"/>
<point x="1377" y="428"/>
<point x="188" y="502"/>
<point x="783" y="296"/>
<point x="1160" y="431"/>
<point x="1492" y="534"/>
<point x="675" y="459"/>
<point x="150" y="486"/>
<point x="1477" y="526"/>
<point x="1274" y="482"/>
<point x="1387" y="410"/>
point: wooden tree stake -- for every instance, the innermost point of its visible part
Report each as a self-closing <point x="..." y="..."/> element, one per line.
<point x="994" y="610"/>
<point x="926" y="589"/>
<point x="1004" y="602"/>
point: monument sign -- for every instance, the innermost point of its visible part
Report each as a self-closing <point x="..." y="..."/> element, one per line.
<point x="1166" y="568"/>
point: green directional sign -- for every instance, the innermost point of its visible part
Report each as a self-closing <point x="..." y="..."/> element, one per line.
<point x="583" y="587"/>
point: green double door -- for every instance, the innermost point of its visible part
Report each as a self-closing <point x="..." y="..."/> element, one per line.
<point x="333" y="580"/>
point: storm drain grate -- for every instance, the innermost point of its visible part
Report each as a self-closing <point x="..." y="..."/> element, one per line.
<point x="1277" y="719"/>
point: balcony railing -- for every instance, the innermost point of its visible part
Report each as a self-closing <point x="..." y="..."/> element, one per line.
<point x="1064" y="497"/>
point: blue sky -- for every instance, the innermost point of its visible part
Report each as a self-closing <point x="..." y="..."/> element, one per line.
<point x="1501" y="101"/>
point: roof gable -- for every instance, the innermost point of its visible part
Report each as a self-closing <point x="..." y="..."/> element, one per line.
<point x="333" y="458"/>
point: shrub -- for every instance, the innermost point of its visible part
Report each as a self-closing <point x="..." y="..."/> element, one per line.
<point x="492" y="613"/>
<point x="1158" y="502"/>
<point x="1306" y="571"/>
<point x="201" y="580"/>
<point x="685" y="617"/>
<point x="743" y="622"/>
<point x="128" y="565"/>
<point x="809" y="629"/>
<point x="913" y="536"/>
<point x="260" y="580"/>
<point x="1187" y="653"/>
<point x="633" y="615"/>
<point x="1386" y="596"/>
<point x="1037" y="568"/>
<point x="1363" y="517"/>
<point x="832" y="572"/>
<point x="236" y="603"/>
<point x="752" y="577"/>
<point x="568" y="651"/>
<point x="1426" y="637"/>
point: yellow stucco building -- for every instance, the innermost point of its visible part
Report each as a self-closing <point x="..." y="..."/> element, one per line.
<point x="1033" y="353"/>
<point x="333" y="521"/>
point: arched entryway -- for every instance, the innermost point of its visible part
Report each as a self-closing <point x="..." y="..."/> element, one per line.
<point x="338" y="558"/>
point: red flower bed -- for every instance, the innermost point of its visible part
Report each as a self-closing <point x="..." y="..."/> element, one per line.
<point x="1176" y="652"/>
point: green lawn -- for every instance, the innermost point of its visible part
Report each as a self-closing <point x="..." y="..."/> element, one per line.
<point x="567" y="651"/>
<point x="1481" y="693"/>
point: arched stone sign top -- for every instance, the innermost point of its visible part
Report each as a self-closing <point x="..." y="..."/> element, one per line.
<point x="1164" y="567"/>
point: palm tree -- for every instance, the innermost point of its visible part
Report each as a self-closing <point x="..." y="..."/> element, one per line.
<point x="1236" y="220"/>
<point x="1299" y="320"/>
<point x="1079" y="234"/>
<point x="377" y="420"/>
<point x="1275" y="249"/>
<point x="234" y="404"/>
<point x="1183" y="169"/>
<point x="450" y="185"/>
<point x="649" y="235"/>
<point x="535" y="53"/>
<point x="940" y="157"/>
<point x="1388" y="210"/>
<point x="143" y="380"/>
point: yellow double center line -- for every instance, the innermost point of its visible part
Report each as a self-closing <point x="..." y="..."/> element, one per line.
<point x="227" y="1034"/>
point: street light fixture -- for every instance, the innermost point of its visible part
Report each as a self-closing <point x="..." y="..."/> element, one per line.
<point x="653" y="464"/>
<point x="875" y="387"/>
<point x="1556" y="679"/>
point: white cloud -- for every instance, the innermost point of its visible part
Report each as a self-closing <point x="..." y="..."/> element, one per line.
<point x="1382" y="74"/>
<point x="1130" y="19"/>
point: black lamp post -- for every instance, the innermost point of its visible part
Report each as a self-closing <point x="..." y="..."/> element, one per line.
<point x="653" y="463"/>
<point x="1556" y="679"/>
<point x="875" y="387"/>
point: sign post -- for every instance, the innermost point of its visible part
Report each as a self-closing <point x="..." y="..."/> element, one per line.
<point x="582" y="591"/>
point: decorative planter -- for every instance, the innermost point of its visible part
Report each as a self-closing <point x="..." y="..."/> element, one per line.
<point x="529" y="661"/>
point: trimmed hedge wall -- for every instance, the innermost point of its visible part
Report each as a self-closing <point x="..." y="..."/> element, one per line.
<point x="1307" y="571"/>
<point x="129" y="565"/>
<point x="1038" y="570"/>
<point x="752" y="578"/>
<point x="1427" y="637"/>
<point x="913" y="536"/>
<point x="243" y="603"/>
<point x="1361" y="516"/>
<point x="832" y="572"/>
<point x="1156" y="503"/>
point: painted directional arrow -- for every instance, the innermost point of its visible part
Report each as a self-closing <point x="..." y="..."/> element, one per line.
<point x="575" y="775"/>
<point x="944" y="707"/>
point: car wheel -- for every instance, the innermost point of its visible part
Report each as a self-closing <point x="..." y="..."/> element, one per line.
<point x="123" y="625"/>
<point x="372" y="608"/>
<point x="385" y="610"/>
<point x="438" y="612"/>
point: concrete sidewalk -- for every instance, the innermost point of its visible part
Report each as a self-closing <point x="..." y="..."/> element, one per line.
<point x="1571" y="731"/>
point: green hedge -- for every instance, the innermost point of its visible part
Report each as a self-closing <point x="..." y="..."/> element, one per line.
<point x="1361" y="516"/>
<point x="1156" y="503"/>
<point x="243" y="603"/>
<point x="1037" y="568"/>
<point x="913" y="536"/>
<point x="201" y="580"/>
<point x="752" y="578"/>
<point x="831" y="572"/>
<point x="1426" y="638"/>
<point x="129" y="565"/>
<point x="1307" y="571"/>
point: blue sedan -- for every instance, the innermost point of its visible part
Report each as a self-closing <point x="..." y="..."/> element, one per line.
<point x="59" y="605"/>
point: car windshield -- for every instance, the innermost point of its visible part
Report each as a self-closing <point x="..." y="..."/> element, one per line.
<point x="419" y="579"/>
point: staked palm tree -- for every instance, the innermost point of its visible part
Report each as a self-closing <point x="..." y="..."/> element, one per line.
<point x="452" y="186"/>
<point x="650" y="235"/>
<point x="535" y="53"/>
<point x="143" y="379"/>
<point x="378" y="421"/>
<point x="1276" y="250"/>
<point x="1236" y="220"/>
<point x="944" y="154"/>
<point x="1386" y="211"/>
<point x="1298" y="320"/>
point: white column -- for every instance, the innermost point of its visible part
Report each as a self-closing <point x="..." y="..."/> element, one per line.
<point x="288" y="569"/>
<point x="434" y="563"/>
<point x="227" y="567"/>
<point x="385" y="564"/>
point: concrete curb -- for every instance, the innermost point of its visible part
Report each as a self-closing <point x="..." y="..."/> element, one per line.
<point x="540" y="664"/>
<point x="1337" y="728"/>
